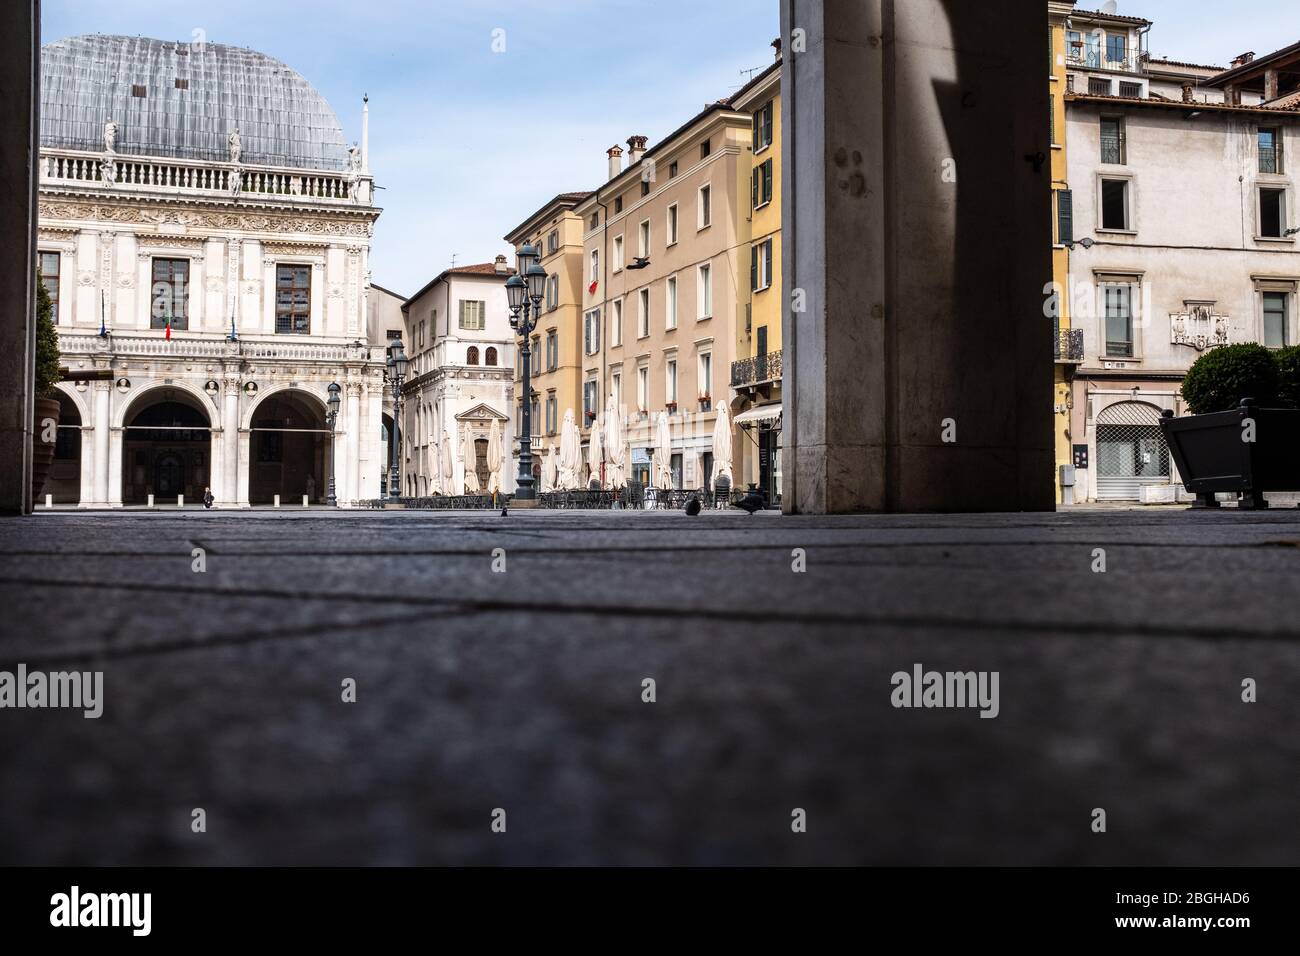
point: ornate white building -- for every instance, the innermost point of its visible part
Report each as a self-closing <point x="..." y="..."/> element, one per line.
<point x="461" y="382"/>
<point x="205" y="234"/>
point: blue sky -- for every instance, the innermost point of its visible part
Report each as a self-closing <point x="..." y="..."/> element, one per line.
<point x="467" y="142"/>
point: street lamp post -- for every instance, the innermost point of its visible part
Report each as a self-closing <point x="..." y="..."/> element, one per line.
<point x="524" y="292"/>
<point x="397" y="365"/>
<point x="332" y="418"/>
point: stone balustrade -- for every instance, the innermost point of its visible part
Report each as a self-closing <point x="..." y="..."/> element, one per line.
<point x="137" y="174"/>
<point x="209" y="347"/>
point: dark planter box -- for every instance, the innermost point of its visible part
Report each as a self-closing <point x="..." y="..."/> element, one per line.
<point x="1212" y="457"/>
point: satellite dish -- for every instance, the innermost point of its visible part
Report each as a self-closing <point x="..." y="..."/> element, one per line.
<point x="1110" y="7"/>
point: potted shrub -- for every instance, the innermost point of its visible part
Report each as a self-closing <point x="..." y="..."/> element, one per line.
<point x="46" y="423"/>
<point x="1244" y="433"/>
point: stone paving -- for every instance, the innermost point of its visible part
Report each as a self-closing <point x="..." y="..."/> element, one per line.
<point x="522" y="690"/>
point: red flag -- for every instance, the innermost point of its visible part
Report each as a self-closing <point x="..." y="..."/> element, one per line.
<point x="168" y="334"/>
<point x="591" y="289"/>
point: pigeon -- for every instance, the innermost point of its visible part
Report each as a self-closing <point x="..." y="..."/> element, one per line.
<point x="753" y="501"/>
<point x="692" y="506"/>
<point x="505" y="513"/>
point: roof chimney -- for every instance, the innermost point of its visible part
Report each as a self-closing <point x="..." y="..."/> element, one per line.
<point x="776" y="45"/>
<point x="502" y="268"/>
<point x="1243" y="59"/>
<point x="1187" y="93"/>
<point x="636" y="149"/>
<point x="615" y="154"/>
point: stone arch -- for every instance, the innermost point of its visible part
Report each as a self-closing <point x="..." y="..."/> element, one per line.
<point x="132" y="407"/>
<point x="263" y="394"/>
<point x="288" y="447"/>
<point x="1130" y="450"/>
<point x="166" y="445"/>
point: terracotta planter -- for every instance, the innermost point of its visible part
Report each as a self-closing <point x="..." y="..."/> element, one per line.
<point x="42" y="451"/>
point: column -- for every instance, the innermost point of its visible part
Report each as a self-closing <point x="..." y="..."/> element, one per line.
<point x="228" y="494"/>
<point x="352" y="440"/>
<point x="103" y="430"/>
<point x="917" y="245"/>
<point x="19" y="86"/>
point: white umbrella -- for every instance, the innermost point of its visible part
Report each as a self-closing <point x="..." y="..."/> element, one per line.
<point x="448" y="464"/>
<point x="595" y="451"/>
<point x="663" y="453"/>
<point x="470" y="457"/>
<point x="722" y="444"/>
<point x="548" y="470"/>
<point x="494" y="457"/>
<point x="570" y="452"/>
<point x="615" y="446"/>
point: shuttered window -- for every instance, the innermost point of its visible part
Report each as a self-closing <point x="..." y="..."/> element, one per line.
<point x="1064" y="217"/>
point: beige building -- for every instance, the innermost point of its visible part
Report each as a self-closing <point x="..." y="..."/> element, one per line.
<point x="756" y="374"/>
<point x="666" y="286"/>
<point x="556" y="376"/>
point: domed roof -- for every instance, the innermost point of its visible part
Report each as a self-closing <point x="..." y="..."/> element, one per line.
<point x="183" y="100"/>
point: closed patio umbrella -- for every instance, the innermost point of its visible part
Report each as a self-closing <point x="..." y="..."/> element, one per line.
<point x="595" y="451"/>
<point x="615" y="446"/>
<point x="470" y="459"/>
<point x="722" y="444"/>
<point x="663" y="453"/>
<point x="570" y="463"/>
<point x="495" y="457"/>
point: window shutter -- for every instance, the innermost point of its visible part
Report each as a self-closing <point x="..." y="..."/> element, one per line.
<point x="753" y="187"/>
<point x="767" y="255"/>
<point x="753" y="267"/>
<point x="1064" y="216"/>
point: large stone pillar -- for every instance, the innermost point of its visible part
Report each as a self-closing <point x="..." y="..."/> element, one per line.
<point x="351" y="464"/>
<point x="228" y="494"/>
<point x="19" y="152"/>
<point x="103" y="436"/>
<point x="916" y="218"/>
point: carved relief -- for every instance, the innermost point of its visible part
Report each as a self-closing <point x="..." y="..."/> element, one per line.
<point x="1199" y="326"/>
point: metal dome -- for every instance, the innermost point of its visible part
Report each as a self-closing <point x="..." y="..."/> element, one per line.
<point x="195" y="95"/>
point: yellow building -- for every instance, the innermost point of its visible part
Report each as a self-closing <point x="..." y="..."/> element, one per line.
<point x="1068" y="349"/>
<point x="756" y="373"/>
<point x="556" y="229"/>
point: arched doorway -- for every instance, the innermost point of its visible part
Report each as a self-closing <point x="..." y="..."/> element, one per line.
<point x="64" y="482"/>
<point x="288" y="452"/>
<point x="166" y="449"/>
<point x="1131" y="451"/>
<point x="385" y="443"/>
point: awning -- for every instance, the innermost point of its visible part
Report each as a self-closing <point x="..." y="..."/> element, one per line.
<point x="769" y="415"/>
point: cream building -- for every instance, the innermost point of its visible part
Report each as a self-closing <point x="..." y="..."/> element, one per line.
<point x="666" y="261"/>
<point x="556" y="374"/>
<point x="1186" y="209"/>
<point x="757" y="372"/>
<point x="205" y="231"/>
<point x="460" y="381"/>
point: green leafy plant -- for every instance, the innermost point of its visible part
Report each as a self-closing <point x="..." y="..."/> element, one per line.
<point x="1288" y="376"/>
<point x="1222" y="377"/>
<point x="47" y="343"/>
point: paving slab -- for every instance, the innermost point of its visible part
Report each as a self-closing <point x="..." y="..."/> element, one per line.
<point x="522" y="689"/>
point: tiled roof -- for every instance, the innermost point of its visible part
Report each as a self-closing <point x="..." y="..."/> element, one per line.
<point x="478" y="269"/>
<point x="1190" y="66"/>
<point x="1203" y="107"/>
<point x="1108" y="16"/>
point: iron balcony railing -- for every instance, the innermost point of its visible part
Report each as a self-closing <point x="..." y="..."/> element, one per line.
<point x="1095" y="57"/>
<point x="757" y="370"/>
<point x="1069" y="345"/>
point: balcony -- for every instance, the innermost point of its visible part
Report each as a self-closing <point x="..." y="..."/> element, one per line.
<point x="1084" y="58"/>
<point x="140" y="174"/>
<point x="756" y="371"/>
<point x="1069" y="346"/>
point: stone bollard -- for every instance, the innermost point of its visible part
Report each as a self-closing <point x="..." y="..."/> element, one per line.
<point x="151" y="501"/>
<point x="180" y="501"/>
<point x="304" y="501"/>
<point x="277" y="501"/>
<point x="49" y="501"/>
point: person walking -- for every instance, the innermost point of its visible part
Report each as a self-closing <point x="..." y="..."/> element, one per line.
<point x="208" y="498"/>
